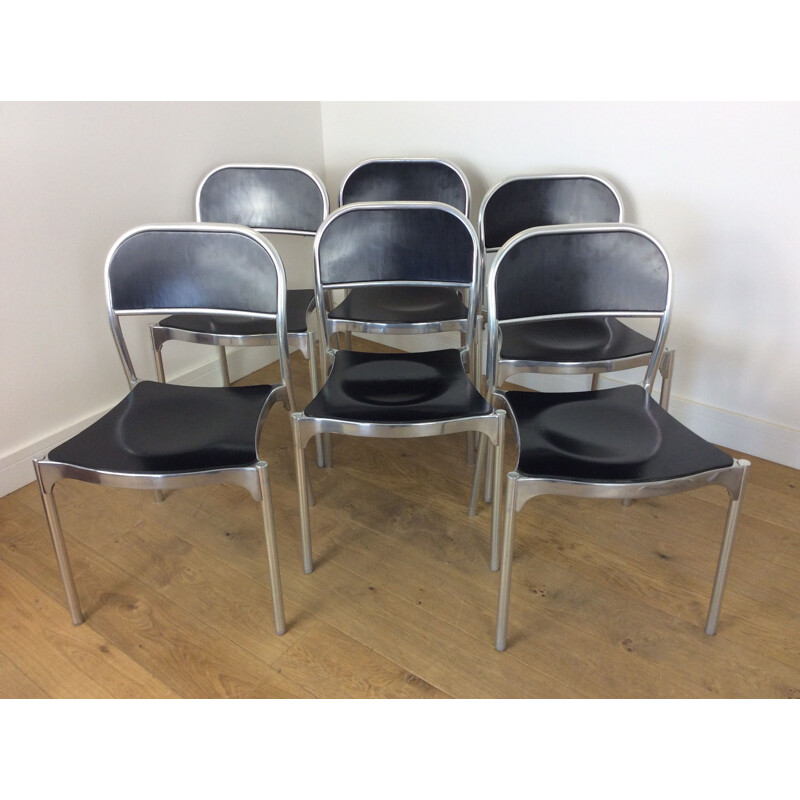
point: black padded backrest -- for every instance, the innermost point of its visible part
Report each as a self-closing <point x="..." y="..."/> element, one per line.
<point x="160" y="268"/>
<point x="420" y="179"/>
<point x="270" y="198"/>
<point x="575" y="269"/>
<point x="396" y="242"/>
<point x="531" y="201"/>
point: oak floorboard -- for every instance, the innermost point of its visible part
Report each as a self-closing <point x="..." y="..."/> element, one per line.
<point x="16" y="685"/>
<point x="65" y="660"/>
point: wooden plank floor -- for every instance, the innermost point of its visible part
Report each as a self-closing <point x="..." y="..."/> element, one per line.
<point x="607" y="601"/>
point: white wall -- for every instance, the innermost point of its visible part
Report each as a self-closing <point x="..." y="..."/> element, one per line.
<point x="73" y="178"/>
<point x="716" y="183"/>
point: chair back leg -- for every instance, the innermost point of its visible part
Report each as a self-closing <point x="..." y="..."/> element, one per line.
<point x="726" y="549"/>
<point x="666" y="368"/>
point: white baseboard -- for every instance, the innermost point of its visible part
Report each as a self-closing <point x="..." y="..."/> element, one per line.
<point x="16" y="468"/>
<point x="746" y="434"/>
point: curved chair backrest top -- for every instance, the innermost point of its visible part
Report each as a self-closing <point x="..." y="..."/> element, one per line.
<point x="528" y="201"/>
<point x="203" y="267"/>
<point x="379" y="180"/>
<point x="273" y="198"/>
<point x="397" y="242"/>
<point x="580" y="269"/>
<point x="564" y="271"/>
<point x="400" y="243"/>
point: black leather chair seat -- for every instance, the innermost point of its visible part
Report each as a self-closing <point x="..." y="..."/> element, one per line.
<point x="618" y="434"/>
<point x="400" y="304"/>
<point x="298" y="302"/>
<point x="399" y="388"/>
<point x="161" y="428"/>
<point x="572" y="340"/>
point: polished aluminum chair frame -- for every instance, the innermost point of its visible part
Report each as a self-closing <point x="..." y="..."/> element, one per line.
<point x="520" y="487"/>
<point x="581" y="209"/>
<point x="253" y="477"/>
<point x="491" y="424"/>
<point x="265" y="216"/>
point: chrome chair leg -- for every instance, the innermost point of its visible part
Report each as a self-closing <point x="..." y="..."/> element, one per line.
<point x="505" y="568"/>
<point x="302" y="479"/>
<point x="723" y="562"/>
<point x="313" y="369"/>
<point x="476" y="476"/>
<point x="666" y="369"/>
<point x="272" y="549"/>
<point x="494" y="562"/>
<point x="57" y="537"/>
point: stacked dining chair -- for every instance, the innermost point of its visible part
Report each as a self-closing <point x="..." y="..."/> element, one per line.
<point x="164" y="436"/>
<point x="583" y="345"/>
<point x="409" y="308"/>
<point x="270" y="198"/>
<point x="396" y="394"/>
<point x="602" y="443"/>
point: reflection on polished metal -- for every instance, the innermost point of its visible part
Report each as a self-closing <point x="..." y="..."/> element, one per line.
<point x="521" y="202"/>
<point x="388" y="395"/>
<point x="171" y="269"/>
<point x="606" y="444"/>
<point x="435" y="307"/>
<point x="269" y="198"/>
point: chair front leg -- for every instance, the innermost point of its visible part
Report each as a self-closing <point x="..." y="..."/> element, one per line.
<point x="498" y="472"/>
<point x="57" y="537"/>
<point x="268" y="518"/>
<point x="302" y="493"/>
<point x="480" y="460"/>
<point x="504" y="594"/>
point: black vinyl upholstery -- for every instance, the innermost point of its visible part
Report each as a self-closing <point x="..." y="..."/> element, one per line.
<point x="581" y="344"/>
<point x="403" y="179"/>
<point x="572" y="341"/>
<point x="403" y="245"/>
<point x="415" y="179"/>
<point x="141" y="261"/>
<point x="299" y="302"/>
<point x="608" y="443"/>
<point x="619" y="434"/>
<point x="167" y="436"/>
<point x="531" y="201"/>
<point x="265" y="197"/>
<point x="164" y="427"/>
<point x="397" y="388"/>
<point x="400" y="304"/>
<point x="383" y="246"/>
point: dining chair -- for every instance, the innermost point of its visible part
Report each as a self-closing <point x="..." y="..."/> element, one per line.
<point x="164" y="436"/>
<point x="603" y="443"/>
<point x="405" y="309"/>
<point x="270" y="198"/>
<point x="591" y="345"/>
<point x="396" y="394"/>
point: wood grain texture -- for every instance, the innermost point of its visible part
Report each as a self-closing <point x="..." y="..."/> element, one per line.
<point x="607" y="601"/>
